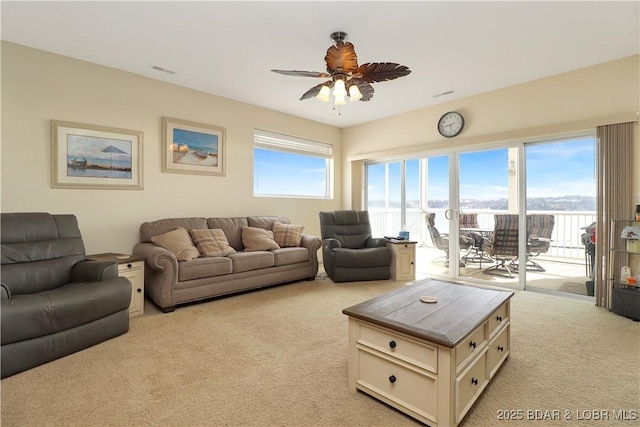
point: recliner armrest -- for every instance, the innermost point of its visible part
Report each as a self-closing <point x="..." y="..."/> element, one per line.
<point x="376" y="242"/>
<point x="94" y="271"/>
<point x="6" y="292"/>
<point x="331" y="244"/>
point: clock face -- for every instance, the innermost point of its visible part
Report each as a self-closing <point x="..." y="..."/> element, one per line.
<point x="451" y="124"/>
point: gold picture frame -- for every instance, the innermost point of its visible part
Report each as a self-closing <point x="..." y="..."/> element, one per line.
<point x="193" y="148"/>
<point x="95" y="157"/>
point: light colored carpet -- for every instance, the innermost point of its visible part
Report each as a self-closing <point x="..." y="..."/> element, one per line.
<point x="278" y="357"/>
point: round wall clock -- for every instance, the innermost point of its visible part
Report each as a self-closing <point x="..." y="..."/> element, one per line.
<point x="451" y="124"/>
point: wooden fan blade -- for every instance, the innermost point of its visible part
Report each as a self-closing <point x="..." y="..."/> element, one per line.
<point x="302" y="73"/>
<point x="341" y="57"/>
<point x="380" y="71"/>
<point x="365" y="89"/>
<point x="316" y="90"/>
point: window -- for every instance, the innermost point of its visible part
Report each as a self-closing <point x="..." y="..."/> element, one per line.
<point x="284" y="165"/>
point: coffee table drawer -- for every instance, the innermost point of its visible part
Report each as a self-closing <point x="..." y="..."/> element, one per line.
<point x="470" y="384"/>
<point x="399" y="346"/>
<point x="470" y="344"/>
<point x="410" y="388"/>
<point x="499" y="317"/>
<point x="498" y="351"/>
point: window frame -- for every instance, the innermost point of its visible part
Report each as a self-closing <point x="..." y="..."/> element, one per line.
<point x="282" y="143"/>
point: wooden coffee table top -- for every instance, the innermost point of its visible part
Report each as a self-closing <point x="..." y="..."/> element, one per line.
<point x="459" y="310"/>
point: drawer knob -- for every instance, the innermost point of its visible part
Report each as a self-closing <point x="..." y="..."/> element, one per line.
<point x="128" y="265"/>
<point x="474" y="381"/>
<point x="392" y="379"/>
<point x="472" y="344"/>
<point x="500" y="348"/>
<point x="139" y="290"/>
<point x="499" y="318"/>
<point x="392" y="344"/>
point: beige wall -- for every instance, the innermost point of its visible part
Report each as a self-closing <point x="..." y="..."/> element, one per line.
<point x="563" y="103"/>
<point x="38" y="87"/>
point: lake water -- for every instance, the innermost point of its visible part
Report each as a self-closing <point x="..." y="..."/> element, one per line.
<point x="100" y="173"/>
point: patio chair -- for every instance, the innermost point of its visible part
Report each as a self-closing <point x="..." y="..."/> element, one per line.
<point x="539" y="231"/>
<point x="469" y="220"/>
<point x="441" y="241"/>
<point x="475" y="254"/>
<point x="503" y="245"/>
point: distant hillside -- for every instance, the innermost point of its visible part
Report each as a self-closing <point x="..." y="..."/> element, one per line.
<point x="565" y="203"/>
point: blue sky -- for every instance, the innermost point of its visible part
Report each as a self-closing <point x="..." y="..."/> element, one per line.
<point x="196" y="139"/>
<point x="288" y="174"/>
<point x="553" y="170"/>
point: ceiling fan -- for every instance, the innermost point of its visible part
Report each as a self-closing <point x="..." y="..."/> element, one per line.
<point x="345" y="75"/>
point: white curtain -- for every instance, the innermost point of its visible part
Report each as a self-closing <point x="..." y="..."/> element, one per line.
<point x="615" y="201"/>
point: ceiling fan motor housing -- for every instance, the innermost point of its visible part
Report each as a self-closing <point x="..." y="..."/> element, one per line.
<point x="342" y="67"/>
<point x="339" y="36"/>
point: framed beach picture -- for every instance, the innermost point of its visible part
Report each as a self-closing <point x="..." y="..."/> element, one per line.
<point x="98" y="157"/>
<point x="193" y="148"/>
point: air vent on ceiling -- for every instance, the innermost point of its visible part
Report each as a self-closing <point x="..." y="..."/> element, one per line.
<point x="164" y="70"/>
<point x="449" y="92"/>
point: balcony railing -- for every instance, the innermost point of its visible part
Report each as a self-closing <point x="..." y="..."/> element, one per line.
<point x="565" y="241"/>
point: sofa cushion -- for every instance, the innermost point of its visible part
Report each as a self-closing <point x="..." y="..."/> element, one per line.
<point x="287" y="235"/>
<point x="266" y="221"/>
<point x="258" y="239"/>
<point x="179" y="242"/>
<point x="153" y="228"/>
<point x="232" y="228"/>
<point x="204" y="267"/>
<point x="211" y="242"/>
<point x="38" y="250"/>
<point x="362" y="258"/>
<point x="286" y="256"/>
<point x="35" y="315"/>
<point x="247" y="261"/>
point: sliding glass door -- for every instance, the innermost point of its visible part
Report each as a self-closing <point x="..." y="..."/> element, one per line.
<point x="513" y="193"/>
<point x="394" y="199"/>
<point x="489" y="203"/>
<point x="561" y="208"/>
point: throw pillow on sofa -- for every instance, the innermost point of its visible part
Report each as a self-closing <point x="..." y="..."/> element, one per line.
<point x="178" y="242"/>
<point x="211" y="242"/>
<point x="287" y="235"/>
<point x="258" y="239"/>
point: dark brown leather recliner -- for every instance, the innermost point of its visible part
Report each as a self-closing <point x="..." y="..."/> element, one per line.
<point x="53" y="301"/>
<point x="349" y="252"/>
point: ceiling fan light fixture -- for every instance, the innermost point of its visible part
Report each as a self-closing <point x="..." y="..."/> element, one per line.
<point x="343" y="72"/>
<point x="339" y="88"/>
<point x="354" y="93"/>
<point x="324" y="93"/>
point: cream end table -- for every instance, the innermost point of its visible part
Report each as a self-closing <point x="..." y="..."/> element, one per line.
<point x="403" y="260"/>
<point x="429" y="360"/>
<point x="131" y="267"/>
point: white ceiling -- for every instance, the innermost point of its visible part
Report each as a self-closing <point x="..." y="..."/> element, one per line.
<point x="229" y="48"/>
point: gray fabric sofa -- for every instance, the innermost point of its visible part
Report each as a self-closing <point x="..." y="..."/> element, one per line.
<point x="54" y="302"/>
<point x="349" y="253"/>
<point x="170" y="282"/>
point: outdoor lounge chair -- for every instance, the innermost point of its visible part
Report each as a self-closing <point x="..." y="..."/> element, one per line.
<point x="539" y="231"/>
<point x="469" y="227"/>
<point x="503" y="245"/>
<point x="441" y="241"/>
